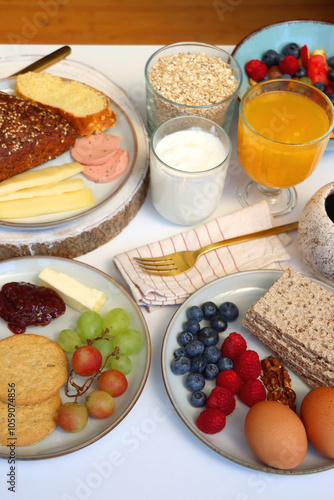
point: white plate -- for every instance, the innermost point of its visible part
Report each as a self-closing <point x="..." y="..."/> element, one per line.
<point x="59" y="442"/>
<point x="129" y="128"/>
<point x="243" y="289"/>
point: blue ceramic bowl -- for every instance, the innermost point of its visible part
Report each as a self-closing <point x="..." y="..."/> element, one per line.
<point x="315" y="34"/>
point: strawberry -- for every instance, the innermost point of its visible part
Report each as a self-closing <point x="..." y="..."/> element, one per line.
<point x="233" y="345"/>
<point x="230" y="380"/>
<point x="247" y="365"/>
<point x="211" y="421"/>
<point x="252" y="391"/>
<point x="289" y="65"/>
<point x="256" y="70"/>
<point x="222" y="399"/>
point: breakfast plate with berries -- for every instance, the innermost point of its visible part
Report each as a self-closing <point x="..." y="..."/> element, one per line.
<point x="215" y="371"/>
<point x="74" y="373"/>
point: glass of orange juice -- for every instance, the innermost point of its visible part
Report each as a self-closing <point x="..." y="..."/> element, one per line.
<point x="283" y="130"/>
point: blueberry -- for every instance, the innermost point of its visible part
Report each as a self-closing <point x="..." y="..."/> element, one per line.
<point x="218" y="323"/>
<point x="212" y="353"/>
<point x="291" y="49"/>
<point x="209" y="309"/>
<point x="330" y="62"/>
<point x="321" y="86"/>
<point x="194" y="348"/>
<point x="208" y="335"/>
<point x="270" y="58"/>
<point x="181" y="366"/>
<point x="198" y="399"/>
<point x="180" y="353"/>
<point x="184" y="337"/>
<point x="198" y="364"/>
<point x="301" y="72"/>
<point x="331" y="98"/>
<point x="195" y="313"/>
<point x="330" y="74"/>
<point x="229" y="311"/>
<point x="280" y="58"/>
<point x="191" y="326"/>
<point x="285" y="75"/>
<point x="211" y="371"/>
<point x="225" y="364"/>
<point x="195" y="382"/>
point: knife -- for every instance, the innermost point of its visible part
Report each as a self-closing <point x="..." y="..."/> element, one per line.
<point x="46" y="61"/>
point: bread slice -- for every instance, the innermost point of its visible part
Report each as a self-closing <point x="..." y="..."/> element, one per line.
<point x="294" y="319"/>
<point x="30" y="135"/>
<point x="86" y="108"/>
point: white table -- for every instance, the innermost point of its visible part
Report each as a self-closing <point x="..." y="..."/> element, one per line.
<point x="151" y="454"/>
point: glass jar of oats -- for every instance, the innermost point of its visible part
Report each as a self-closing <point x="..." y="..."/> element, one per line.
<point x="191" y="78"/>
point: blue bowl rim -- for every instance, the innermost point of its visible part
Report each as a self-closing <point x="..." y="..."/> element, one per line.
<point x="262" y="28"/>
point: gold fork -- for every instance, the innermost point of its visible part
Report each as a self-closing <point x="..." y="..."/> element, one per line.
<point x="180" y="262"/>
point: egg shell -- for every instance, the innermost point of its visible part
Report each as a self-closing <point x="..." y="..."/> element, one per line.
<point x="317" y="414"/>
<point x="276" y="435"/>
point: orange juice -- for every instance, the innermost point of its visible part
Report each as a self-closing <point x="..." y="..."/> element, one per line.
<point x="282" y="150"/>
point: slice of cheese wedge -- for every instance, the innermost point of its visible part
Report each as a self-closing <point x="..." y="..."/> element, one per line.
<point x="40" y="205"/>
<point x="33" y="178"/>
<point x="76" y="295"/>
<point x="46" y="190"/>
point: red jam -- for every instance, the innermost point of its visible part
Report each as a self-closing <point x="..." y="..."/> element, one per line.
<point x="24" y="304"/>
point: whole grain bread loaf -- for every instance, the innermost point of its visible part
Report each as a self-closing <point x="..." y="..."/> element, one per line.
<point x="86" y="108"/>
<point x="30" y="135"/>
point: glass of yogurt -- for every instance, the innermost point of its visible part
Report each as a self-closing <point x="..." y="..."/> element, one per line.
<point x="189" y="159"/>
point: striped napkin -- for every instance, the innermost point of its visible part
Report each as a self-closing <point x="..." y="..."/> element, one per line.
<point x="265" y="253"/>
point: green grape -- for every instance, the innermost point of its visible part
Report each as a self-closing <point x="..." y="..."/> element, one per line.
<point x="120" y="363"/>
<point x="89" y="325"/>
<point x="128" y="342"/>
<point x="69" y="340"/>
<point x="105" y="346"/>
<point x="116" y="321"/>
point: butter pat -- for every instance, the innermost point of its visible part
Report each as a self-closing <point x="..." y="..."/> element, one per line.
<point x="81" y="297"/>
<point x="33" y="178"/>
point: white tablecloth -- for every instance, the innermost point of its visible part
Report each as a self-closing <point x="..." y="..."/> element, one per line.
<point x="151" y="454"/>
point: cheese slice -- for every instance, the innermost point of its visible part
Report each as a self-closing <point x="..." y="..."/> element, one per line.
<point x="32" y="178"/>
<point x="58" y="187"/>
<point x="81" y="297"/>
<point x="40" y="205"/>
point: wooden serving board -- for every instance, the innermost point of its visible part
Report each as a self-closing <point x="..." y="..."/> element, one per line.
<point x="80" y="235"/>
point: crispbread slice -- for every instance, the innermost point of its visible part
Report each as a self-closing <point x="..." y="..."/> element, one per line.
<point x="35" y="366"/>
<point x="30" y="423"/>
<point x="300" y="310"/>
<point x="294" y="319"/>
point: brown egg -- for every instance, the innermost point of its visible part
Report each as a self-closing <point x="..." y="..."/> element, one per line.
<point x="276" y="435"/>
<point x="317" y="414"/>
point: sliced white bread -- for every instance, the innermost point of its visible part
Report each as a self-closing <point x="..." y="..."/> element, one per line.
<point x="85" y="108"/>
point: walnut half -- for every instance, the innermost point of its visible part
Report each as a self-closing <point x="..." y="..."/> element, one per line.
<point x="277" y="381"/>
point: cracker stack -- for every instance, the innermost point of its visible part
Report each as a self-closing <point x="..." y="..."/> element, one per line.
<point x="294" y="319"/>
<point x="33" y="370"/>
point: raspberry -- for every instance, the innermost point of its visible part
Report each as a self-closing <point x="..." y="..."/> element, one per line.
<point x="256" y="70"/>
<point x="211" y="421"/>
<point x="233" y="345"/>
<point x="252" y="391"/>
<point x="248" y="365"/>
<point x="230" y="380"/>
<point x="222" y="399"/>
<point x="289" y="65"/>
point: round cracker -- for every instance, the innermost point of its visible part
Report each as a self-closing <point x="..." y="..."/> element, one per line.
<point x="36" y="365"/>
<point x="30" y="423"/>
